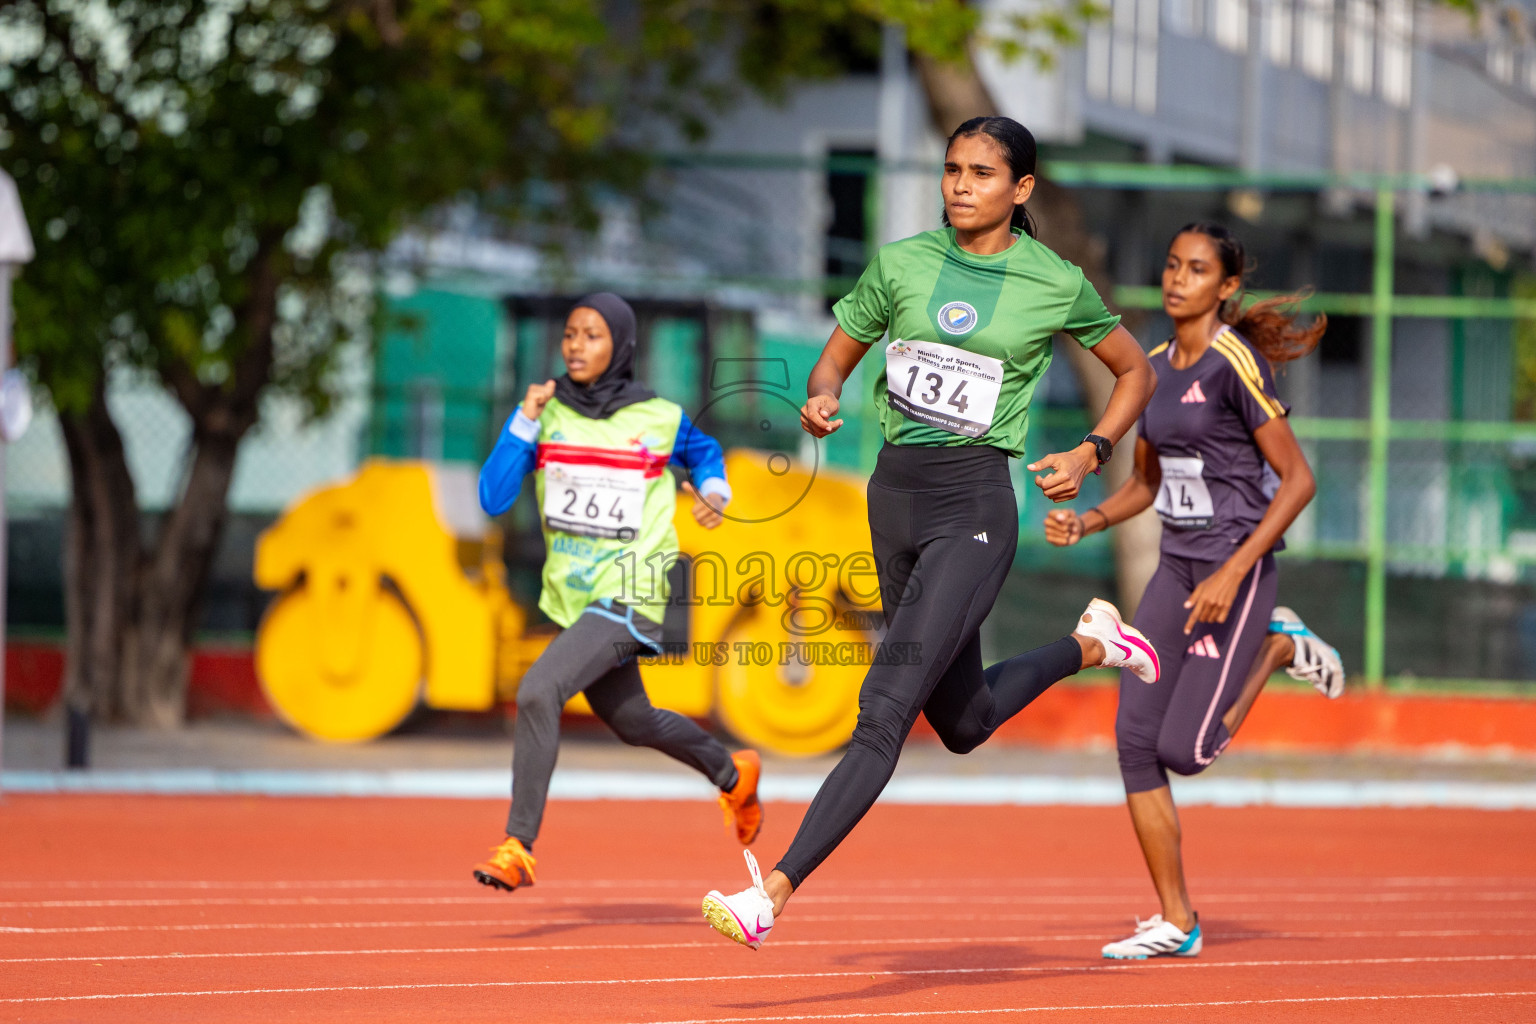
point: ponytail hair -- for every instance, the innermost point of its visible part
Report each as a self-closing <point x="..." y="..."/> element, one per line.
<point x="1269" y="324"/>
<point x="1018" y="148"/>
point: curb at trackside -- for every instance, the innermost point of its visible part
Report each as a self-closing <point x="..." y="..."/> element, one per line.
<point x="971" y="790"/>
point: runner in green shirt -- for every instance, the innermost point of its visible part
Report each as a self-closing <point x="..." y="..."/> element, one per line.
<point x="967" y="313"/>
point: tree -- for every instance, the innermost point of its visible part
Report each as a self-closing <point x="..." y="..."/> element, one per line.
<point x="200" y="174"/>
<point x="208" y="178"/>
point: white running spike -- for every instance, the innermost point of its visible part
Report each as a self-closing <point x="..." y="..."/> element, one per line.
<point x="746" y="916"/>
<point x="1315" y="661"/>
<point x="1156" y="937"/>
<point x="1124" y="646"/>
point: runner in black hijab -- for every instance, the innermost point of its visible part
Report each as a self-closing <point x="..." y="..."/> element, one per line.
<point x="616" y="386"/>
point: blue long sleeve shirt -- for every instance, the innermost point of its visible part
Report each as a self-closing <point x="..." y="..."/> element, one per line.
<point x="516" y="452"/>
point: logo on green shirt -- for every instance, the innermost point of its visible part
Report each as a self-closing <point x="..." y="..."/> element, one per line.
<point x="957" y="317"/>
<point x="1004" y="306"/>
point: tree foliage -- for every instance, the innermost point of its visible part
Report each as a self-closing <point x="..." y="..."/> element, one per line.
<point x="208" y="181"/>
<point x="167" y="152"/>
<point x="165" y="149"/>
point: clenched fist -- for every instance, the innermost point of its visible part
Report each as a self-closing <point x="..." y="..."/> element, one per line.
<point x="1063" y="527"/>
<point x="706" y="511"/>
<point x="537" y="398"/>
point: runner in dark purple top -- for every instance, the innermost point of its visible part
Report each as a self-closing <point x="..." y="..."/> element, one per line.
<point x="1218" y="461"/>
<point x="1201" y="421"/>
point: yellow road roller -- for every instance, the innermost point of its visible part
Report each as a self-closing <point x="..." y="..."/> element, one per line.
<point x="392" y="591"/>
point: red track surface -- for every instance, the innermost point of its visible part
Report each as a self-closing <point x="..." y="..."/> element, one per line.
<point x="191" y="909"/>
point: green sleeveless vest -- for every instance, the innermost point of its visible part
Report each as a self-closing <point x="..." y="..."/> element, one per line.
<point x="606" y="501"/>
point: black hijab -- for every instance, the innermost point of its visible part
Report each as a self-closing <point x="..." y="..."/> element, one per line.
<point x="616" y="386"/>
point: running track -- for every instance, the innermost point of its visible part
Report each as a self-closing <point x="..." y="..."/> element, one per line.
<point x="261" y="909"/>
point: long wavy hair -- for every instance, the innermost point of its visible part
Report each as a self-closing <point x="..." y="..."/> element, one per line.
<point x="1269" y="324"/>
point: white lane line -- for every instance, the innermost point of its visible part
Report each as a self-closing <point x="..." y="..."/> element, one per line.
<point x="807" y="900"/>
<point x="1112" y="918"/>
<point x="245" y="926"/>
<point x="317" y="926"/>
<point x="1149" y="965"/>
<point x="339" y="883"/>
<point x="896" y="1014"/>
<point x="1030" y="882"/>
<point x="691" y="918"/>
<point x="717" y="944"/>
<point x="969" y="790"/>
<point x="349" y="901"/>
<point x="708" y="944"/>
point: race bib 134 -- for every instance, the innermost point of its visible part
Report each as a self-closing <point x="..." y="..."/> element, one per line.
<point x="943" y="386"/>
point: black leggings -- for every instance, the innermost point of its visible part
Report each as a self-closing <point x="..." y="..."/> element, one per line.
<point x="944" y="524"/>
<point x="595" y="655"/>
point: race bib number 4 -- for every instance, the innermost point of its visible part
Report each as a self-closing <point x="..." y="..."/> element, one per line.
<point x="943" y="386"/>
<point x="594" y="501"/>
<point x="1183" y="500"/>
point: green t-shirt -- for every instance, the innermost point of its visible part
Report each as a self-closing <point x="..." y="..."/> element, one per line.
<point x="970" y="335"/>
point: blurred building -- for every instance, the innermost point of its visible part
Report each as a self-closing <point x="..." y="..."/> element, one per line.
<point x="1281" y="90"/>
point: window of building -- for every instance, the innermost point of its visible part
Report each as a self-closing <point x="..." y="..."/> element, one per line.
<point x="1096" y="61"/>
<point x="1360" y="45"/>
<point x="1501" y="60"/>
<point x="1231" y="25"/>
<point x="1122" y="52"/>
<point x="1122" y="55"/>
<point x="1396" y="51"/>
<point x="1279" y="25"/>
<point x="1315" y="28"/>
<point x="1509" y="46"/>
<point x="1186" y="17"/>
<point x="850" y="190"/>
<point x="1146" y="55"/>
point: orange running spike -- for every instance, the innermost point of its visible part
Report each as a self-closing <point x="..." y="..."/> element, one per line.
<point x="510" y="866"/>
<point x="740" y="805"/>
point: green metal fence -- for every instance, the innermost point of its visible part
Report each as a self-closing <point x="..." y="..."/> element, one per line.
<point x="1373" y="465"/>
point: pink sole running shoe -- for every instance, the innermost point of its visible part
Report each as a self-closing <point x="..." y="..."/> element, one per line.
<point x="1124" y="646"/>
<point x="746" y="916"/>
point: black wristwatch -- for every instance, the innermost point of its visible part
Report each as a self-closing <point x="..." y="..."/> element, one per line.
<point x="1102" y="447"/>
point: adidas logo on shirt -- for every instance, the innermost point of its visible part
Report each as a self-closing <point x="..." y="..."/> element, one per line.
<point x="1205" y="647"/>
<point x="982" y="536"/>
<point x="1193" y="395"/>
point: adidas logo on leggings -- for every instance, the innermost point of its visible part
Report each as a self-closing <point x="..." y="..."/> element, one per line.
<point x="982" y="536"/>
<point x="1205" y="647"/>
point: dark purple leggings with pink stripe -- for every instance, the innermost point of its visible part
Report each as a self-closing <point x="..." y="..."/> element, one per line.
<point x="1174" y="724"/>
